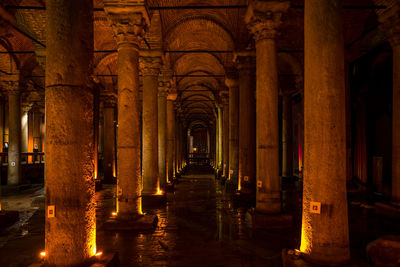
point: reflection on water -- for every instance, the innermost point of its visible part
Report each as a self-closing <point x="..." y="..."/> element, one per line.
<point x="198" y="226"/>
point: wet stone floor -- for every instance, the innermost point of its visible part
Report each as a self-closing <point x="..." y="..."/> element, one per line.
<point x="199" y="226"/>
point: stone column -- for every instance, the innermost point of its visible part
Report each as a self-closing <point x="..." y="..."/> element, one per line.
<point x="170" y="136"/>
<point x="128" y="21"/>
<point x="390" y="19"/>
<point x="225" y="135"/>
<point x="70" y="236"/>
<point x="14" y="135"/>
<point x="287" y="152"/>
<point x="37" y="137"/>
<point x="263" y="19"/>
<point x="162" y="129"/>
<point x="325" y="235"/>
<point x="109" y="99"/>
<point x="232" y="83"/>
<point x="150" y="67"/>
<point x="216" y="141"/>
<point x="247" y="122"/>
<point x="24" y="127"/>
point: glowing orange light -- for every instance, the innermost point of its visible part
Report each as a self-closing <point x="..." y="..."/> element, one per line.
<point x="43" y="254"/>
<point x="99" y="254"/>
<point x="159" y="192"/>
<point x="114" y="213"/>
<point x="114" y="171"/>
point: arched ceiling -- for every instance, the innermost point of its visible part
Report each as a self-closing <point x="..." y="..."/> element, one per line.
<point x="197" y="43"/>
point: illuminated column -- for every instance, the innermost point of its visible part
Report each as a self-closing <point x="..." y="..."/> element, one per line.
<point x="162" y="128"/>
<point x="170" y="135"/>
<point x="219" y="108"/>
<point x="247" y="122"/>
<point x="128" y="21"/>
<point x="325" y="235"/>
<point x="390" y="19"/>
<point x="150" y="67"/>
<point x="14" y="135"/>
<point x="287" y="153"/>
<point x="109" y="99"/>
<point x="24" y="127"/>
<point x="225" y="135"/>
<point x="178" y="141"/>
<point x="37" y="136"/>
<point x="216" y="141"/>
<point x="263" y="19"/>
<point x="232" y="83"/>
<point x="70" y="236"/>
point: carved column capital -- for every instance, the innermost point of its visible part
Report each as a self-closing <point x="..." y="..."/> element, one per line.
<point x="11" y="84"/>
<point x="390" y="19"/>
<point x="109" y="99"/>
<point x="245" y="60"/>
<point x="128" y="19"/>
<point x="264" y="18"/>
<point x="231" y="78"/>
<point x="150" y="65"/>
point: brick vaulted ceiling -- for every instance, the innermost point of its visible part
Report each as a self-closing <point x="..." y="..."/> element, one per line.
<point x="198" y="76"/>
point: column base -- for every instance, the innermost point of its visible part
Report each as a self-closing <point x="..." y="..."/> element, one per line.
<point x="169" y="188"/>
<point x="108" y="259"/>
<point x="389" y="210"/>
<point x="272" y="221"/>
<point x="140" y="223"/>
<point x="294" y="258"/>
<point x="8" y="218"/>
<point x="150" y="201"/>
<point x="384" y="251"/>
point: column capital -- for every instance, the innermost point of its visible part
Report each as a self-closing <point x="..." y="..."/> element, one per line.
<point x="390" y="19"/>
<point x="224" y="97"/>
<point x="264" y="18"/>
<point x="231" y="79"/>
<point x="11" y="84"/>
<point x="109" y="98"/>
<point x="245" y="60"/>
<point x="128" y="19"/>
<point x="150" y="63"/>
<point x="172" y="95"/>
<point x="26" y="107"/>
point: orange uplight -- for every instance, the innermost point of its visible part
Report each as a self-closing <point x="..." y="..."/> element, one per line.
<point x="159" y="192"/>
<point x="114" y="213"/>
<point x="98" y="254"/>
<point x="43" y="254"/>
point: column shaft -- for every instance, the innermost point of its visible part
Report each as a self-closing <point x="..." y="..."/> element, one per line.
<point x="128" y="134"/>
<point x="396" y="125"/>
<point x="233" y="134"/>
<point x="325" y="236"/>
<point x="225" y="139"/>
<point x="247" y="127"/>
<point x="150" y="132"/>
<point x="14" y="139"/>
<point x="162" y="138"/>
<point x="70" y="236"/>
<point x="109" y="143"/>
<point x="170" y="139"/>
<point x="287" y="152"/>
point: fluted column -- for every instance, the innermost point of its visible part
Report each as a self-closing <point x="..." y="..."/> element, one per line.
<point x="325" y="235"/>
<point x="109" y="99"/>
<point x="170" y="135"/>
<point x="232" y="83"/>
<point x="128" y="22"/>
<point x="263" y="20"/>
<point x="70" y="236"/>
<point x="12" y="86"/>
<point x="162" y="129"/>
<point x="390" y="19"/>
<point x="150" y="67"/>
<point x="225" y="135"/>
<point x="247" y="121"/>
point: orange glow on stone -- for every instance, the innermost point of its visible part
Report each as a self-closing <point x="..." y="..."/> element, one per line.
<point x="99" y="254"/>
<point x="42" y="254"/>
